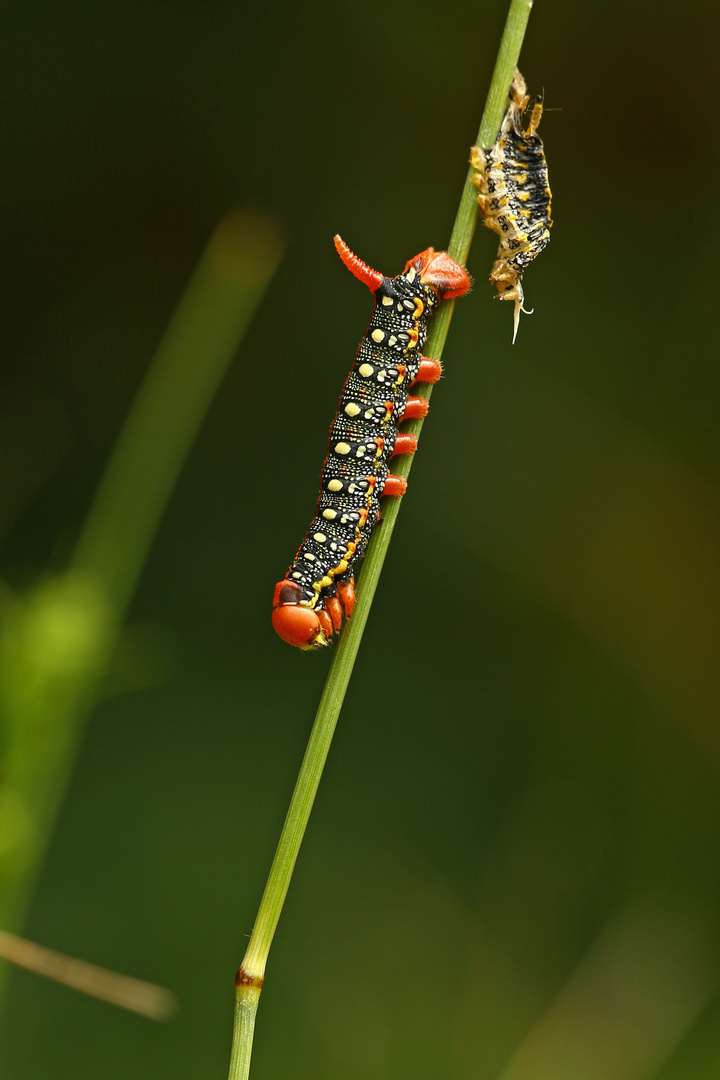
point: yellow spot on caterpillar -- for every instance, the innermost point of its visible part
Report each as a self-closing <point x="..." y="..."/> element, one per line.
<point x="366" y="370"/>
<point x="297" y="575"/>
<point x="477" y="158"/>
<point x="309" y="556"/>
<point x="392" y="340"/>
<point x="378" y="336"/>
<point x="335" y="485"/>
<point x="387" y="301"/>
<point x="352" y="409"/>
<point x="342" y="448"/>
<point x="320" y="537"/>
<point x="329" y="514"/>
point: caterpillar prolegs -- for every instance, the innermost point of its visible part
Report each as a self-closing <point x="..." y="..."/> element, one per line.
<point x="318" y="590"/>
<point x="514" y="194"/>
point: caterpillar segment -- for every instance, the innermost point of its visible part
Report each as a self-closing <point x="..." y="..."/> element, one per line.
<point x="318" y="591"/>
<point x="514" y="195"/>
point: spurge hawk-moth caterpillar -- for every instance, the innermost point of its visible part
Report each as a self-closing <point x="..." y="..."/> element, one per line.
<point x="318" y="590"/>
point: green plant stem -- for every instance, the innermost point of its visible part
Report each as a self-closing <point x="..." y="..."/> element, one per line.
<point x="252" y="971"/>
<point x="247" y="996"/>
<point x="493" y="113"/>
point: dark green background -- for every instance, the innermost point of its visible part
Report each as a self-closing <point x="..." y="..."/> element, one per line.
<point x="529" y="747"/>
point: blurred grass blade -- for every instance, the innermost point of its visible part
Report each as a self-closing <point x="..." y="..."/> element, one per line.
<point x="191" y="360"/>
<point x="629" y="1003"/>
<point x="136" y="995"/>
<point x="55" y="644"/>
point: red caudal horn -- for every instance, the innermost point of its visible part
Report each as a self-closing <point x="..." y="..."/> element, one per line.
<point x="356" y="266"/>
<point x="437" y="269"/>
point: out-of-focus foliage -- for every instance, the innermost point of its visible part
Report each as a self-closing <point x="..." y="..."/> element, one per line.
<point x="517" y="834"/>
<point x="59" y="643"/>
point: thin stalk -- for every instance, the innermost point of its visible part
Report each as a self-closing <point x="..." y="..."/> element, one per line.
<point x="252" y="971"/>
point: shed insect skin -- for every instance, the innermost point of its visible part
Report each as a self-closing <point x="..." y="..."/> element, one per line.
<point x="514" y="195"/>
<point x="318" y="590"/>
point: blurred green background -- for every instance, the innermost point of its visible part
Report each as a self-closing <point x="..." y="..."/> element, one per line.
<point x="512" y="870"/>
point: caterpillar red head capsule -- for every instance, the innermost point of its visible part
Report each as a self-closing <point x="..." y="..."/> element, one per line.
<point x="318" y="591"/>
<point x="514" y="195"/>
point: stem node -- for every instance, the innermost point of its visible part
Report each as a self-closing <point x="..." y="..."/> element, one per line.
<point x="244" y="978"/>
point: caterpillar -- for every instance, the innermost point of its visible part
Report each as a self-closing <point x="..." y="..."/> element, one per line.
<point x="318" y="590"/>
<point x="514" y="195"/>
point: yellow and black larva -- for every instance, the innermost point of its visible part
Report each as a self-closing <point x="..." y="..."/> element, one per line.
<point x="318" y="590"/>
<point x="514" y="194"/>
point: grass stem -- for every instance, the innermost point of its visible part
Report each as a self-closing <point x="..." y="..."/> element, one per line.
<point x="252" y="970"/>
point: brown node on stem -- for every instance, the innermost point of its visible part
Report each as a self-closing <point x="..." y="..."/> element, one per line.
<point x="244" y="979"/>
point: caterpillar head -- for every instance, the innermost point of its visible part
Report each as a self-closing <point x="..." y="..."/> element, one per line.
<point x="293" y="620"/>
